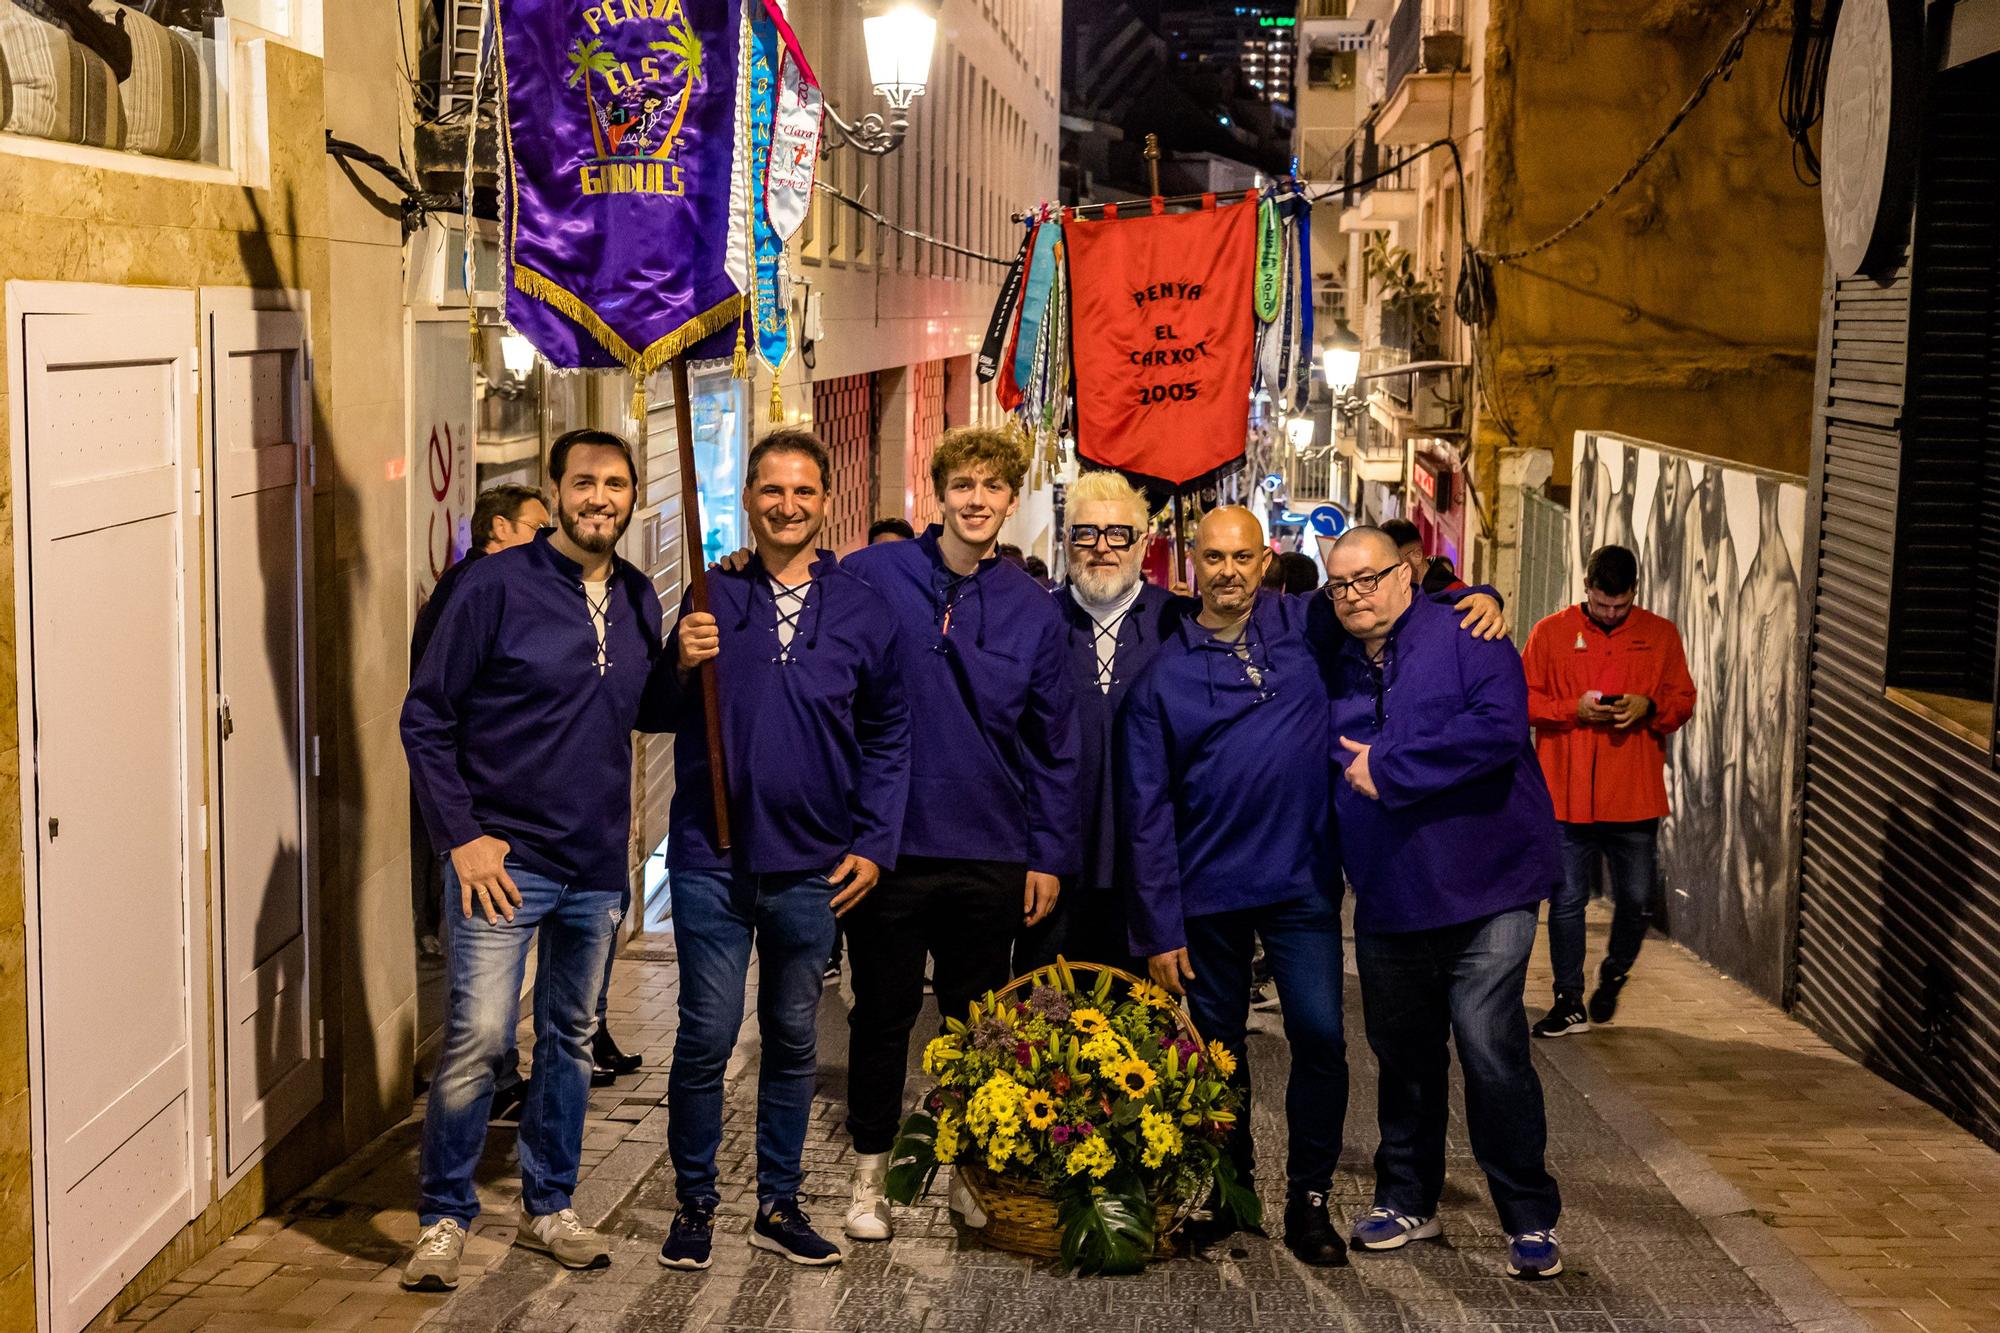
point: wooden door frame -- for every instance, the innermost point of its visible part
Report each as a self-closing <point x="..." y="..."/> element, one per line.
<point x="64" y="298"/>
<point x="247" y="300"/>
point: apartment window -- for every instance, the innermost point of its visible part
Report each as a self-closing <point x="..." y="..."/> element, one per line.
<point x="1945" y="602"/>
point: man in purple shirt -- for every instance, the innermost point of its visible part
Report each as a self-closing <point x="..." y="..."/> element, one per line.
<point x="1449" y="838"/>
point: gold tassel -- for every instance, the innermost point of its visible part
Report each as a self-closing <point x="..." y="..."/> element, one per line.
<point x="739" y="365"/>
<point x="639" y="363"/>
<point x="638" y="399"/>
<point x="777" y="400"/>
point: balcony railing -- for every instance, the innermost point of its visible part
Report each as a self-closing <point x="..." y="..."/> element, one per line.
<point x="1427" y="35"/>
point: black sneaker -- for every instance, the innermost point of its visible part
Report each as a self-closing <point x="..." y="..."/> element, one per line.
<point x="1604" y="1000"/>
<point x="690" y="1238"/>
<point x="783" y="1228"/>
<point x="1309" y="1232"/>
<point x="1565" y="1017"/>
<point x="507" y="1102"/>
<point x="607" y="1061"/>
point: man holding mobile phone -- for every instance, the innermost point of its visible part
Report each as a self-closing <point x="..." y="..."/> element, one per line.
<point x="1607" y="684"/>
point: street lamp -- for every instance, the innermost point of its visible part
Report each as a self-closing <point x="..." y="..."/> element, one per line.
<point x="899" y="45"/>
<point x="1343" y="365"/>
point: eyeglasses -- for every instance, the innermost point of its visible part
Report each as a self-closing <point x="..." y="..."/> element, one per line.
<point x="1117" y="536"/>
<point x="1361" y="585"/>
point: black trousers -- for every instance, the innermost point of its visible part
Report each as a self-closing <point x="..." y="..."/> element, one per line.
<point x="1087" y="926"/>
<point x="964" y="915"/>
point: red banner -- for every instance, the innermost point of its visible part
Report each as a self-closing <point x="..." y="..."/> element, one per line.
<point x="1165" y="338"/>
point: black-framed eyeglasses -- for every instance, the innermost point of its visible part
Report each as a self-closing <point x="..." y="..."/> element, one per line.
<point x="1117" y="536"/>
<point x="1361" y="585"/>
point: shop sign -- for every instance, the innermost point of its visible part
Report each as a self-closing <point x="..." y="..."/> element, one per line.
<point x="1434" y="484"/>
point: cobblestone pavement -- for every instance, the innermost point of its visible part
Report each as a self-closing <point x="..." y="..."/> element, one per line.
<point x="1638" y="1260"/>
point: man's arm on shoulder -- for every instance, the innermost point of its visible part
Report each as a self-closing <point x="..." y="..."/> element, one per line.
<point x="1422" y="756"/>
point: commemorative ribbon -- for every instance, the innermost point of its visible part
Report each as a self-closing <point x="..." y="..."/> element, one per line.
<point x="795" y="132"/>
<point x="1042" y="262"/>
<point x="771" y="310"/>
<point x="618" y="149"/>
<point x="1003" y="311"/>
<point x="1270" y="262"/>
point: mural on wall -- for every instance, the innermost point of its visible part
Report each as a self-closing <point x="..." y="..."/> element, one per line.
<point x="1719" y="549"/>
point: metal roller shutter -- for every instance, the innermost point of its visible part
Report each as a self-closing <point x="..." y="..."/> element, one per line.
<point x="844" y="416"/>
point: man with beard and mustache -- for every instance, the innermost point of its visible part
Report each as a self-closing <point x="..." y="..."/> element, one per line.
<point x="518" y="728"/>
<point x="990" y="826"/>
<point x="1114" y="621"/>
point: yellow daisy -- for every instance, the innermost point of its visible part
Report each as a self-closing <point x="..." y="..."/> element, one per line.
<point x="1088" y="1020"/>
<point x="1134" y="1078"/>
<point x="1038" y="1109"/>
<point x="1224" y="1062"/>
<point x="1153" y="997"/>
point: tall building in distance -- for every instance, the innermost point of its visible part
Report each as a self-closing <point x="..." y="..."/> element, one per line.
<point x="1256" y="43"/>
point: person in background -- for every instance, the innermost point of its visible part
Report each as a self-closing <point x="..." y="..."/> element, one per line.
<point x="1608" y="682"/>
<point x="1449" y="839"/>
<point x="518" y="728"/>
<point x="1220" y="853"/>
<point x="1433" y="573"/>
<point x="990" y="827"/>
<point x="818" y="739"/>
<point x="503" y="516"/>
<point x="890" y="530"/>
<point x="1114" y="622"/>
<point x="1038" y="570"/>
<point x="1300" y="573"/>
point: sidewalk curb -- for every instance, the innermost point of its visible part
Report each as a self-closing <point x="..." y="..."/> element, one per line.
<point x="1723" y="1210"/>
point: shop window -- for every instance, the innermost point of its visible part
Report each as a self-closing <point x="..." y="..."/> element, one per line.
<point x="1945" y="603"/>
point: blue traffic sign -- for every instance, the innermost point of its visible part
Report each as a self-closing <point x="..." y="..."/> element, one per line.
<point x="1327" y="521"/>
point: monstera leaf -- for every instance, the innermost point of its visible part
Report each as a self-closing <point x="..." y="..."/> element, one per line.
<point x="1107" y="1227"/>
<point x="913" y="1162"/>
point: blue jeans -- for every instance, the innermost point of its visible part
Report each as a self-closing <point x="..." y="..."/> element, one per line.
<point x="1421" y="992"/>
<point x="1633" y="853"/>
<point x="1302" y="941"/>
<point x="717" y="914"/>
<point x="485" y="963"/>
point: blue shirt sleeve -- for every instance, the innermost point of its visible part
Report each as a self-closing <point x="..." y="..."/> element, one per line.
<point x="882" y="728"/>
<point x="669" y="700"/>
<point x="1146" y="823"/>
<point x="1051" y="757"/>
<point x="1421" y="754"/>
<point x="451" y="663"/>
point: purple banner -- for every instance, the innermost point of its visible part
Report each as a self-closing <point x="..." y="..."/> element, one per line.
<point x="620" y="116"/>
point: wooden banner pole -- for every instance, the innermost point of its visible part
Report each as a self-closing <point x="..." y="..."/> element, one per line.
<point x="1179" y="522"/>
<point x="711" y="694"/>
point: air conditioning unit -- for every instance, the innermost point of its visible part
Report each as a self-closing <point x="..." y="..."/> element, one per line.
<point x="1439" y="403"/>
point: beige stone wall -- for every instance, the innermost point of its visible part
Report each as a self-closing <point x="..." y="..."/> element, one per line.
<point x="314" y="230"/>
<point x="1687" y="312"/>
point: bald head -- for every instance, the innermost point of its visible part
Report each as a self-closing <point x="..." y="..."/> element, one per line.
<point x="1370" y="582"/>
<point x="1229" y="558"/>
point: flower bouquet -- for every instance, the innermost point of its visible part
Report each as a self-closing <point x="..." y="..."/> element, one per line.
<point x="1089" y="1121"/>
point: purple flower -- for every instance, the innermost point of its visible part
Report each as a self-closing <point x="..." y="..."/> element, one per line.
<point x="1049" y="1003"/>
<point x="1020" y="1052"/>
<point x="1061" y="1134"/>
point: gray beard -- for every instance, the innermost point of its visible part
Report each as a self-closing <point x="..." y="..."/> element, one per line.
<point x="1095" y="589"/>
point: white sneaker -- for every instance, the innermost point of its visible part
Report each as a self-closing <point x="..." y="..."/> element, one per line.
<point x="563" y="1237"/>
<point x="433" y="1264"/>
<point x="868" y="1213"/>
<point x="965" y="1203"/>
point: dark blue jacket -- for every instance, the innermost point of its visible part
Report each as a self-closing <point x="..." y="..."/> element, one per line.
<point x="512" y="730"/>
<point x="816" y="737"/>
<point x="1224" y="799"/>
<point x="993" y="753"/>
<point x="1464" y="827"/>
<point x="1153" y="617"/>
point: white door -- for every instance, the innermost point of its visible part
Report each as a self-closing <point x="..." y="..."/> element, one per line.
<point x="109" y="420"/>
<point x="260" y="496"/>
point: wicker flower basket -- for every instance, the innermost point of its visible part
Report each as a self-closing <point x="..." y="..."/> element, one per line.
<point x="1021" y="1215"/>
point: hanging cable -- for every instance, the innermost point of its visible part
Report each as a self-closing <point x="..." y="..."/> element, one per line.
<point x="881" y="221"/>
<point x="1802" y="95"/>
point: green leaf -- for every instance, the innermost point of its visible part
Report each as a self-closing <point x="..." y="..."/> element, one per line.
<point x="1236" y="1201"/>
<point x="1106" y="1227"/>
<point x="913" y="1162"/>
<point x="1101" y="989"/>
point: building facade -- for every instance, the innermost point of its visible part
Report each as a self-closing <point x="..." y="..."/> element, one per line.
<point x="1899" y="881"/>
<point x="248" y="410"/>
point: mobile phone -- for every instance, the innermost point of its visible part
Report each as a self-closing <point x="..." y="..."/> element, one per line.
<point x="1611" y="700"/>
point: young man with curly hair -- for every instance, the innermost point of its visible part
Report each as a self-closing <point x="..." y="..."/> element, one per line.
<point x="990" y="824"/>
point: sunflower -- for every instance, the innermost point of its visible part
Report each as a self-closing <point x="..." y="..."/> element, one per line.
<point x="1089" y="1020"/>
<point x="1038" y="1109"/>
<point x="1219" y="1056"/>
<point x="1153" y="997"/>
<point x="1133" y="1077"/>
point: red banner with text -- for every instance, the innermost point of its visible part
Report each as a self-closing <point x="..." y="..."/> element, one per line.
<point x="1165" y="338"/>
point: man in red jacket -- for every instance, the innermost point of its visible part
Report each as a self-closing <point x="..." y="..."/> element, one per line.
<point x="1607" y="684"/>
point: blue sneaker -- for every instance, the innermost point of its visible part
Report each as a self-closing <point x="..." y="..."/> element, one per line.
<point x="783" y="1228"/>
<point x="1386" y="1229"/>
<point x="1533" y="1255"/>
<point x="691" y="1236"/>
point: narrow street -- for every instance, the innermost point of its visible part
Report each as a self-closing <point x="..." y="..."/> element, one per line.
<point x="1723" y="1171"/>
